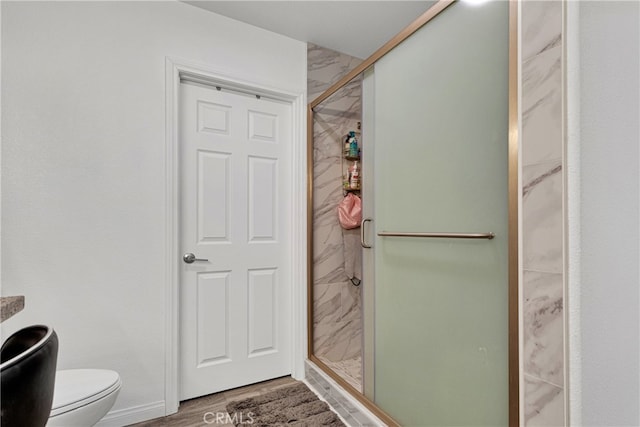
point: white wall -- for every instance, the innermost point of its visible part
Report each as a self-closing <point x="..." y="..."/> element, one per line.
<point x="609" y="164"/>
<point x="83" y="167"/>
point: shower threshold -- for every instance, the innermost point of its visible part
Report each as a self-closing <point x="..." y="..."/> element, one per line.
<point x="349" y="369"/>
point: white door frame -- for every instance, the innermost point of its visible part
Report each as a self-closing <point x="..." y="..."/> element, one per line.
<point x="177" y="69"/>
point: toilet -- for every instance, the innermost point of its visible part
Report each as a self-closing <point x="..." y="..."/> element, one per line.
<point x="82" y="397"/>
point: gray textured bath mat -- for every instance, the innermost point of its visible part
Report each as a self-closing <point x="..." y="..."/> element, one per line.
<point x="293" y="405"/>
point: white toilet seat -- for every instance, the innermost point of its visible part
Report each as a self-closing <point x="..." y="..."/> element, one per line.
<point x="76" y="388"/>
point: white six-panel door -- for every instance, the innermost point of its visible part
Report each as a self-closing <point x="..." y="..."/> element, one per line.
<point x="235" y="307"/>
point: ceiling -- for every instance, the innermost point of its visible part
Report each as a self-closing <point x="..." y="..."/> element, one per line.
<point x="357" y="28"/>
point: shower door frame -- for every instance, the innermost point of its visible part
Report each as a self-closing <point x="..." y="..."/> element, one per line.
<point x="513" y="208"/>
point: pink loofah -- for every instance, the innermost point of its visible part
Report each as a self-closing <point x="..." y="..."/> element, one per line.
<point x="350" y="211"/>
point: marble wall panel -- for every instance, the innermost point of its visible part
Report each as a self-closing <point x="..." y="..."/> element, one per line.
<point x="542" y="223"/>
<point x="541" y="26"/>
<point x="325" y="67"/>
<point x="544" y="403"/>
<point x="542" y="107"/>
<point x="542" y="190"/>
<point x="327" y="304"/>
<point x="338" y="341"/>
<point x="543" y="339"/>
<point x="337" y="303"/>
<point x="351" y="304"/>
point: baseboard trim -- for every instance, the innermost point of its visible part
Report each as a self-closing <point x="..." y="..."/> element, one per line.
<point x="135" y="414"/>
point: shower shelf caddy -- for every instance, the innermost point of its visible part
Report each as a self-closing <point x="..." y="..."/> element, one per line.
<point x="345" y="170"/>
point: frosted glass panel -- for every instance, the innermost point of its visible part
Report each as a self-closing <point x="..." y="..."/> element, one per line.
<point x="441" y="140"/>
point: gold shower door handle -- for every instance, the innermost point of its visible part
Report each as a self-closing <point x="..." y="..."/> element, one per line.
<point x="487" y="236"/>
<point x="362" y="223"/>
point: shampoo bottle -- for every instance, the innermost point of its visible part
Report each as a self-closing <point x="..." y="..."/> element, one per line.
<point x="354" y="176"/>
<point x="353" y="144"/>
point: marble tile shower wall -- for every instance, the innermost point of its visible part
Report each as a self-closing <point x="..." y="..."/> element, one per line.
<point x="542" y="213"/>
<point x="337" y="303"/>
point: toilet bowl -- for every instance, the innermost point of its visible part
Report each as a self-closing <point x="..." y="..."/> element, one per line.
<point x="82" y="397"/>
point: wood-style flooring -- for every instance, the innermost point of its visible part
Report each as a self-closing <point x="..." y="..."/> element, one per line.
<point x="192" y="412"/>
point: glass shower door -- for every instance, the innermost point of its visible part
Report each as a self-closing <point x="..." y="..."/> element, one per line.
<point x="441" y="146"/>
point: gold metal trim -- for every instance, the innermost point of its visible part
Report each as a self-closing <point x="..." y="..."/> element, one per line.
<point x="487" y="236"/>
<point x="309" y="231"/>
<point x="513" y="189"/>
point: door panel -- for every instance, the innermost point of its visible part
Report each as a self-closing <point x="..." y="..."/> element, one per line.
<point x="213" y="318"/>
<point x="262" y="308"/>
<point x="213" y="196"/>
<point x="262" y="199"/>
<point x="235" y="301"/>
<point x="441" y="145"/>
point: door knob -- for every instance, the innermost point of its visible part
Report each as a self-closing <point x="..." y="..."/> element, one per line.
<point x="190" y="258"/>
